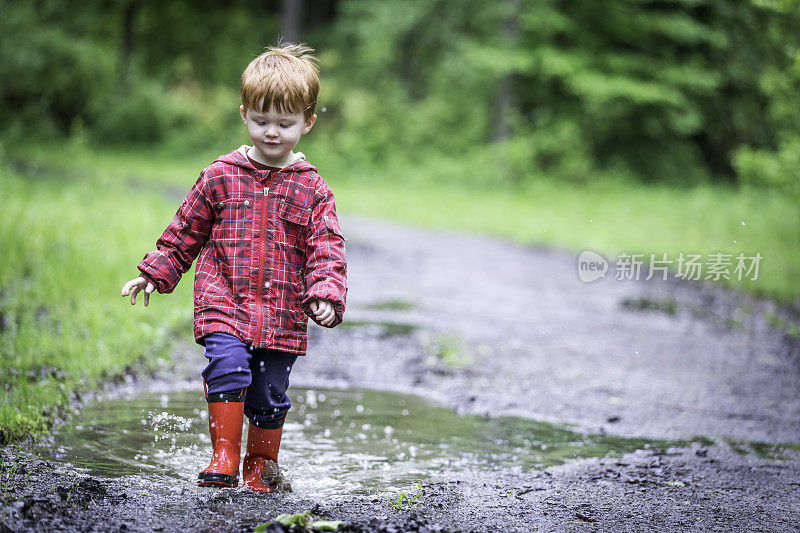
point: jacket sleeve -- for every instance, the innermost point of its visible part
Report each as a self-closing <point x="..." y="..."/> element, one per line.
<point x="182" y="241"/>
<point x="326" y="264"/>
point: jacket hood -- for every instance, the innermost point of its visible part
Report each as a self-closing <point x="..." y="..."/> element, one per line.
<point x="238" y="157"/>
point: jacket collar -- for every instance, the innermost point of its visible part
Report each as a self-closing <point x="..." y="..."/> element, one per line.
<point x="238" y="157"/>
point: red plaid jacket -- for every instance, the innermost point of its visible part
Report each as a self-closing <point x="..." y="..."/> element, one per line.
<point x="267" y="245"/>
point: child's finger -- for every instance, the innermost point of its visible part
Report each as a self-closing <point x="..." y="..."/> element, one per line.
<point x="327" y="314"/>
<point x="313" y="306"/>
<point x="149" y="289"/>
<point x="135" y="290"/>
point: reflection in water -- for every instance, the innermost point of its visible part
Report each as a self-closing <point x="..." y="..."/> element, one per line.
<point x="335" y="442"/>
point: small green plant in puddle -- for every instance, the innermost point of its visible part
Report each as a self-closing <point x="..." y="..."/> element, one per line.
<point x="302" y="522"/>
<point x="447" y="350"/>
<point x="397" y="502"/>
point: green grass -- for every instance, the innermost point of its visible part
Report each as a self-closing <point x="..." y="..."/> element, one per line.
<point x="609" y="218"/>
<point x="69" y="242"/>
<point x="76" y="220"/>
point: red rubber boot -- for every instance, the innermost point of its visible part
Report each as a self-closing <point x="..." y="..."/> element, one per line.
<point x="262" y="446"/>
<point x="225" y="414"/>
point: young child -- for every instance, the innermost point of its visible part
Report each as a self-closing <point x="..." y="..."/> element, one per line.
<point x="271" y="253"/>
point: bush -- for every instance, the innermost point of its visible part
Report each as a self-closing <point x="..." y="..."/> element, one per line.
<point x="50" y="74"/>
<point x="778" y="169"/>
<point x="140" y="116"/>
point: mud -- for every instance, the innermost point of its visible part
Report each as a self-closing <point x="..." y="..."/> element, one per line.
<point x="491" y="328"/>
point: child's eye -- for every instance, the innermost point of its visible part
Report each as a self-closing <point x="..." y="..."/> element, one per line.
<point x="284" y="125"/>
<point x="260" y="122"/>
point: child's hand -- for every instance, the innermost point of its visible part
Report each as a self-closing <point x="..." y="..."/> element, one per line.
<point x="134" y="286"/>
<point x="323" y="310"/>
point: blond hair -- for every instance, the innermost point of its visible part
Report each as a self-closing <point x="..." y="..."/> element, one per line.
<point x="284" y="76"/>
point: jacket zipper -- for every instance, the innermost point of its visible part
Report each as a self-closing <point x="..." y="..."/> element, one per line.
<point x="262" y="257"/>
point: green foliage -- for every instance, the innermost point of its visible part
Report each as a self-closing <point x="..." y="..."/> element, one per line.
<point x="51" y="70"/>
<point x="63" y="71"/>
<point x="302" y="522"/>
<point x="498" y="92"/>
<point x="140" y="114"/>
<point x="661" y="91"/>
<point x="778" y="169"/>
<point x="777" y="165"/>
<point x="400" y="500"/>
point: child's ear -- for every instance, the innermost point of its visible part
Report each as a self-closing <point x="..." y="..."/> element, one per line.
<point x="310" y="123"/>
<point x="243" y="113"/>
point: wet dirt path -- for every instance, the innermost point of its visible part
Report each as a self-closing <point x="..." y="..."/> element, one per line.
<point x="547" y="346"/>
<point x="493" y="328"/>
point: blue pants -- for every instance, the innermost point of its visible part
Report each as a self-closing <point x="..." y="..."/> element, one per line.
<point x="264" y="372"/>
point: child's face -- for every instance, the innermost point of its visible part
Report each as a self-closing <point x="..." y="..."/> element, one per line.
<point x="274" y="134"/>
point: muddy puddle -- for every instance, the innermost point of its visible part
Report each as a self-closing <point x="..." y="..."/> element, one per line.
<point x="336" y="442"/>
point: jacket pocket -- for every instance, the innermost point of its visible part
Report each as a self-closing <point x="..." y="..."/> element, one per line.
<point x="232" y="216"/>
<point x="295" y="213"/>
